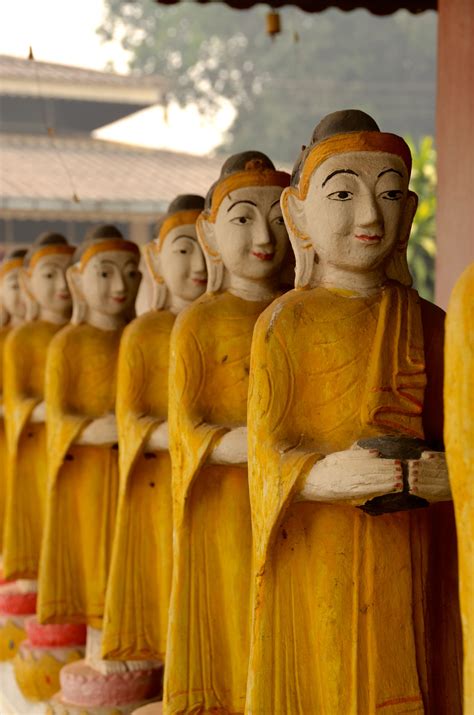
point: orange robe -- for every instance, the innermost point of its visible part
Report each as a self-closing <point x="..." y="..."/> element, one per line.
<point x="459" y="436"/>
<point x="139" y="584"/>
<point x="206" y="664"/>
<point x="24" y="373"/>
<point x="82" y="480"/>
<point x="352" y="613"/>
<point x="3" y="443"/>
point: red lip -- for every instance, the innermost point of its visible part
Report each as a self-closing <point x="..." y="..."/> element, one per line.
<point x="263" y="256"/>
<point x="119" y="299"/>
<point x="64" y="296"/>
<point x="369" y="239"/>
<point x="200" y="281"/>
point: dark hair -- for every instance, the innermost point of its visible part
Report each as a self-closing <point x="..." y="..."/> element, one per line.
<point x="102" y="232"/>
<point x="244" y="161"/>
<point x="44" y="239"/>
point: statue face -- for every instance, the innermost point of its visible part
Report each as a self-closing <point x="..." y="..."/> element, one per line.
<point x="182" y="263"/>
<point x="110" y="282"/>
<point x="11" y="294"/>
<point x="48" y="284"/>
<point x="250" y="233"/>
<point x="354" y="209"/>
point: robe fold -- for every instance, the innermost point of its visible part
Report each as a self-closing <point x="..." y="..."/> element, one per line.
<point x="208" y="641"/>
<point x="82" y="480"/>
<point x="352" y="614"/>
<point x="25" y="354"/>
<point x="3" y="441"/>
<point x="139" y="584"/>
<point x="459" y="436"/>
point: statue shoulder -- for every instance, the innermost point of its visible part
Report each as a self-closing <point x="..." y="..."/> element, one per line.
<point x="280" y="314"/>
<point x="148" y="325"/>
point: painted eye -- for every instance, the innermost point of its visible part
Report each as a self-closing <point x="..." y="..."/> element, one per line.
<point x="392" y="195"/>
<point x="132" y="274"/>
<point x="279" y="221"/>
<point x="104" y="274"/>
<point x="240" y="220"/>
<point x="182" y="250"/>
<point x="340" y="196"/>
<point x="48" y="275"/>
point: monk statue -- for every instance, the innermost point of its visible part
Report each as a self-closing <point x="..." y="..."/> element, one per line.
<point x="48" y="309"/>
<point x="12" y="313"/>
<point x="459" y="438"/>
<point x="139" y="584"/>
<point x="83" y="462"/>
<point x="354" y="602"/>
<point x="245" y="244"/>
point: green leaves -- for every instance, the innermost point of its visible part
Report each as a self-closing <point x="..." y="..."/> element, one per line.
<point x="422" y="243"/>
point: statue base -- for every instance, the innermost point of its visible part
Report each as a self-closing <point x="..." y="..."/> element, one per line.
<point x="90" y="692"/>
<point x="43" y="654"/>
<point x="15" y="608"/>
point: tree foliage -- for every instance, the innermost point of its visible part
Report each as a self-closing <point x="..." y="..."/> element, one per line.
<point x="281" y="87"/>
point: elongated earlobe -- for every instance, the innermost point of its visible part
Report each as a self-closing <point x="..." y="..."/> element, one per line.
<point x="31" y="305"/>
<point x="79" y="305"/>
<point x="295" y="220"/>
<point x="397" y="268"/>
<point x="153" y="263"/>
<point x="215" y="267"/>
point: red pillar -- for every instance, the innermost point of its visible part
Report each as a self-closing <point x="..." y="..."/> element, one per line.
<point x="455" y="143"/>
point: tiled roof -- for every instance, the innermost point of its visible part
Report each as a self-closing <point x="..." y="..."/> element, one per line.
<point x="19" y="68"/>
<point x="35" y="171"/>
<point x="377" y="7"/>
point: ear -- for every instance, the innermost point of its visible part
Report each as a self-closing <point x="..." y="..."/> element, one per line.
<point x="206" y="231"/>
<point x="293" y="209"/>
<point x="31" y="306"/>
<point x="408" y="216"/>
<point x="152" y="258"/>
<point x="79" y="304"/>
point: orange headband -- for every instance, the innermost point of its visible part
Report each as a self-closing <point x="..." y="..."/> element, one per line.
<point x="10" y="265"/>
<point x="53" y="249"/>
<point x="352" y="141"/>
<point x="180" y="218"/>
<point x="242" y="179"/>
<point x="108" y="244"/>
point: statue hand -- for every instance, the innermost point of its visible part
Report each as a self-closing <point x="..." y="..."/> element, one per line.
<point x="39" y="413"/>
<point x="159" y="438"/>
<point x="232" y="448"/>
<point x="352" y="476"/>
<point x="100" y="432"/>
<point x="428" y="477"/>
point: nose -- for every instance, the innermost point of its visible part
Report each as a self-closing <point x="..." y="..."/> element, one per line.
<point x="368" y="213"/>
<point x="62" y="285"/>
<point x="198" y="264"/>
<point x="118" y="282"/>
<point x="263" y="235"/>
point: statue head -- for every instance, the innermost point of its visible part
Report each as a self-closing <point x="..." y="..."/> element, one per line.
<point x="12" y="304"/>
<point x="242" y="229"/>
<point x="105" y="278"/>
<point x="44" y="278"/>
<point x="175" y="258"/>
<point x="349" y="206"/>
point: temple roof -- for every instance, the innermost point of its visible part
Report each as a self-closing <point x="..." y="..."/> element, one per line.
<point x="377" y="7"/>
<point x="115" y="180"/>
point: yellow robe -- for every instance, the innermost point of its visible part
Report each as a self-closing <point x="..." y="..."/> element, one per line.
<point x="139" y="584"/>
<point x="353" y="614"/>
<point x="82" y="480"/>
<point x="24" y="372"/>
<point x="3" y="442"/>
<point x="208" y="641"/>
<point x="459" y="436"/>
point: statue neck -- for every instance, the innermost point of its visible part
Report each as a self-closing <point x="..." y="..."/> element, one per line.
<point x="104" y="321"/>
<point x="52" y="316"/>
<point x="363" y="284"/>
<point x="248" y="289"/>
<point x="15" y="321"/>
<point x="177" y="304"/>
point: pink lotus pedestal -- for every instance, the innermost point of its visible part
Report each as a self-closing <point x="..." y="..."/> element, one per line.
<point x="40" y="657"/>
<point x="15" y="608"/>
<point x="85" y="691"/>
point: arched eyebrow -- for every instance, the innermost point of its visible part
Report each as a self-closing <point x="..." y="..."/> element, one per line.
<point x="275" y="203"/>
<point x="386" y="171"/>
<point x="338" y="171"/>
<point x="50" y="264"/>
<point x="241" y="202"/>
<point x="183" y="235"/>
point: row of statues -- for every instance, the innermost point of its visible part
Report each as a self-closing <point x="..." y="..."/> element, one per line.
<point x="247" y="483"/>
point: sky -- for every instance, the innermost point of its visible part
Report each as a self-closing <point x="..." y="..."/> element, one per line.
<point x="64" y="31"/>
